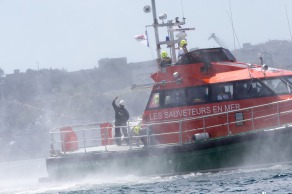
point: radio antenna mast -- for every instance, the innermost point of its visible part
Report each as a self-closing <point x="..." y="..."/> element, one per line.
<point x="171" y="28"/>
<point x="288" y="22"/>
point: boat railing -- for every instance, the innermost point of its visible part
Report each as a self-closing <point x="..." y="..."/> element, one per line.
<point x="98" y="137"/>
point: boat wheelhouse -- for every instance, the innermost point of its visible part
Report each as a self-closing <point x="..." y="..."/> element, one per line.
<point x="212" y="82"/>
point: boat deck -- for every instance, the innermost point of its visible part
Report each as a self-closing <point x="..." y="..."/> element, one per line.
<point x="108" y="148"/>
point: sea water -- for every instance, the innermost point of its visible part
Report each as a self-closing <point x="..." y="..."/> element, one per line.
<point x="22" y="177"/>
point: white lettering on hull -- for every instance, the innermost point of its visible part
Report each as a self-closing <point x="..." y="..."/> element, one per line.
<point x="191" y="112"/>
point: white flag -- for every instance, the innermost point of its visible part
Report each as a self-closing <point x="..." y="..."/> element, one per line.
<point x="142" y="39"/>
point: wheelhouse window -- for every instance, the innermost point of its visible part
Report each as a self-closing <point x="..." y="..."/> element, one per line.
<point x="289" y="79"/>
<point x="174" y="97"/>
<point x="206" y="56"/>
<point x="278" y="85"/>
<point x="197" y="95"/>
<point x="218" y="54"/>
<point x="244" y="89"/>
<point x="251" y="89"/>
<point x="222" y="92"/>
<point x="229" y="55"/>
<point x="154" y="101"/>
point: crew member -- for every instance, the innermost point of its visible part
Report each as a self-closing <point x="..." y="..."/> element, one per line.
<point x="145" y="133"/>
<point x="182" y="48"/>
<point x="140" y="132"/>
<point x="165" y="60"/>
<point x="222" y="94"/>
<point x="121" y="118"/>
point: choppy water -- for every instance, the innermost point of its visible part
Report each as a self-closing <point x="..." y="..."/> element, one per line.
<point x="22" y="177"/>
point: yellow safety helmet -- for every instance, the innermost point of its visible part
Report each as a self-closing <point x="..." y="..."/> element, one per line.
<point x="164" y="54"/>
<point x="156" y="99"/>
<point x="183" y="43"/>
<point x="137" y="129"/>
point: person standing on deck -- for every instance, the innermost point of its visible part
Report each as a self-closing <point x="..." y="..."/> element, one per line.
<point x="182" y="48"/>
<point x="121" y="118"/>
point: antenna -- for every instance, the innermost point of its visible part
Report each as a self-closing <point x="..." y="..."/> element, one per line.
<point x="182" y="9"/>
<point x="232" y="25"/>
<point x="155" y="26"/>
<point x="171" y="29"/>
<point x="288" y="21"/>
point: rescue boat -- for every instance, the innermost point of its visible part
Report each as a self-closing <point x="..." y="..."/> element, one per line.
<point x="207" y="111"/>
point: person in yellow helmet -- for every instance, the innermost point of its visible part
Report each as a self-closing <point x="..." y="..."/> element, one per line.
<point x="141" y="133"/>
<point x="165" y="60"/>
<point x="182" y="48"/>
<point x="144" y="133"/>
<point x="154" y="103"/>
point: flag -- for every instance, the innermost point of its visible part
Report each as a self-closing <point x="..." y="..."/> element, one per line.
<point x="142" y="38"/>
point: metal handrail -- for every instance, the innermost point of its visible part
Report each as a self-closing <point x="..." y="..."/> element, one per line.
<point x="95" y="126"/>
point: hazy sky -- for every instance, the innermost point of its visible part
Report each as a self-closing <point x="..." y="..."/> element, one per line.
<point x="75" y="34"/>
